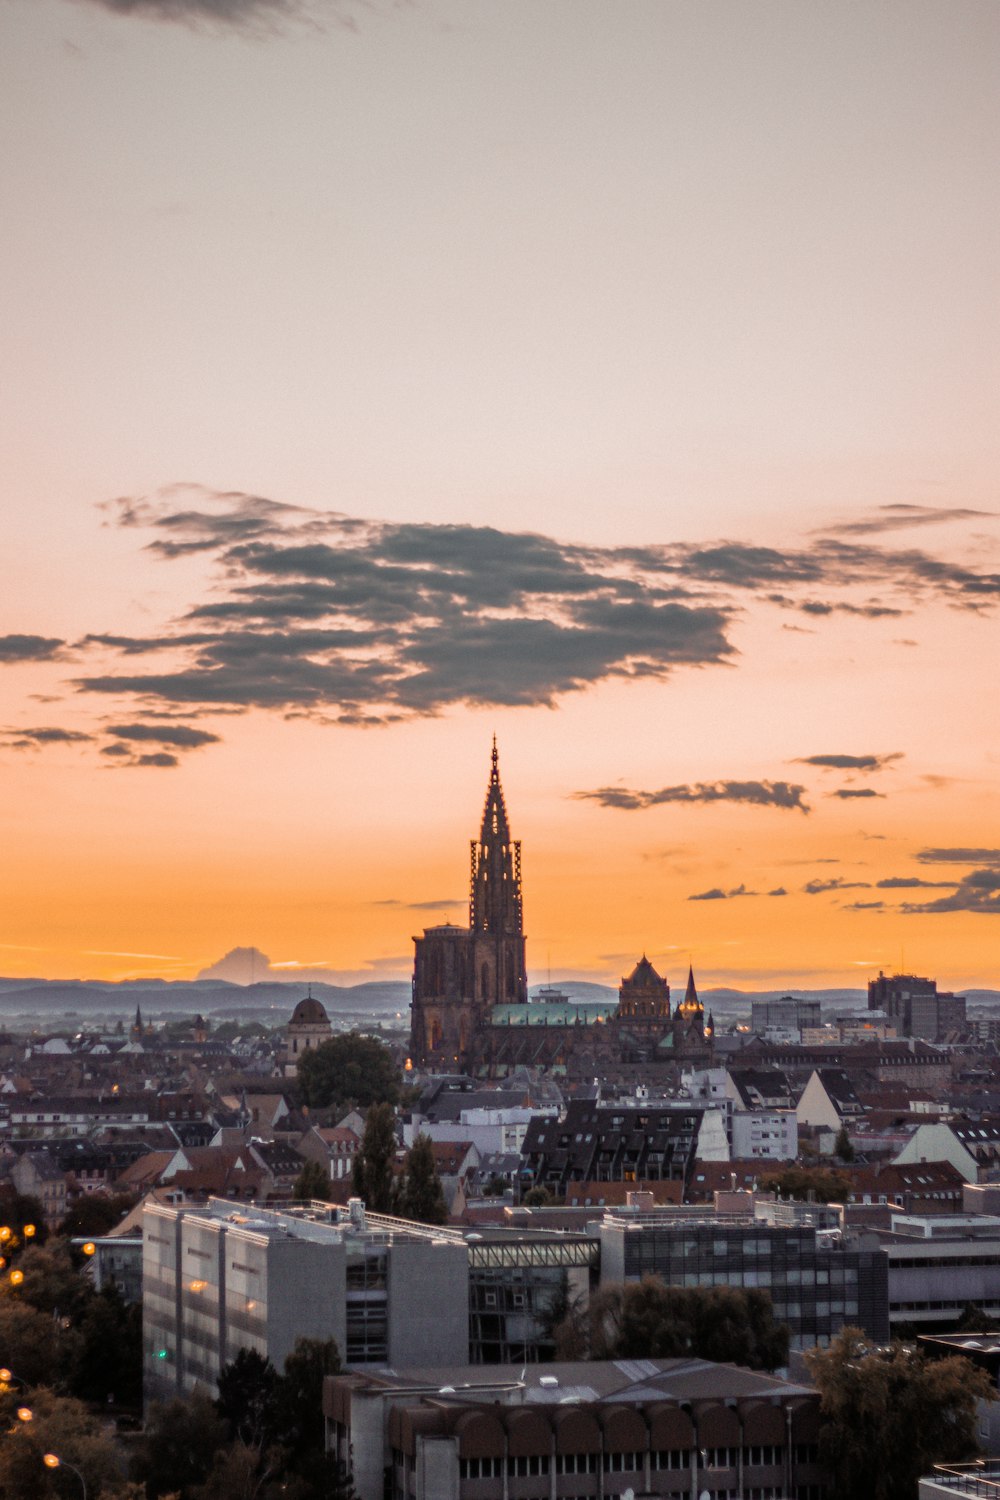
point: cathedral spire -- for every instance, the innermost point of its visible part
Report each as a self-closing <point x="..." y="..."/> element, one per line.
<point x="691" y="994"/>
<point x="690" y="1005"/>
<point x="495" y="896"/>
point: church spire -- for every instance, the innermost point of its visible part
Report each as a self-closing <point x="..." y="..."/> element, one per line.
<point x="495" y="896"/>
<point x="691" y="994"/>
<point x="690" y="1005"/>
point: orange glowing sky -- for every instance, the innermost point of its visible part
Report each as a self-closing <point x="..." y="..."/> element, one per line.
<point x="620" y="379"/>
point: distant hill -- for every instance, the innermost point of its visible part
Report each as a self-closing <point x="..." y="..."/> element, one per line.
<point x="272" y="1000"/>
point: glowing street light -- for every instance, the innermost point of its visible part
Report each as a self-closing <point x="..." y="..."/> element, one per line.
<point x="16" y="1277"/>
<point x="25" y="1414"/>
<point x="53" y="1461"/>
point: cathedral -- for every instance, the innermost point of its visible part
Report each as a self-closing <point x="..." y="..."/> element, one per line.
<point x="470" y="1007"/>
<point x="460" y="974"/>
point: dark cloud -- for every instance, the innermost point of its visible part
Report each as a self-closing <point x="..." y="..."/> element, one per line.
<point x="911" y="882"/>
<point x="361" y="623"/>
<point x="850" y="762"/>
<point x="23" y="739"/>
<point x="779" y="890"/>
<point x="719" y="895"/>
<point x="979" y="891"/>
<point x="959" y="856"/>
<point x="832" y="564"/>
<point x="159" y="758"/>
<point x="17" y="648"/>
<point x="781" y="794"/>
<point x="321" y="613"/>
<point x="116" y="752"/>
<point x="820" y="887"/>
<point x="862" y="611"/>
<point x="902" y="517"/>
<point x="457" y="904"/>
<point x="181" y="736"/>
<point x="846" y="792"/>
<point x="228" y="12"/>
<point x="865" y="906"/>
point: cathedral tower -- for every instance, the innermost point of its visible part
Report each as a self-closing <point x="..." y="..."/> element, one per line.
<point x="495" y="911"/>
<point x="460" y="973"/>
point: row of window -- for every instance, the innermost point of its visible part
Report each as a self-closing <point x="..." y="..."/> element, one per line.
<point x="755" y="1455"/>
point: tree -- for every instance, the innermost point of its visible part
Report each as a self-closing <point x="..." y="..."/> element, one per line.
<point x="312" y="1182"/>
<point x="95" y="1214"/>
<point x="975" y="1319"/>
<point x="649" y="1320"/>
<point x="35" y="1346"/>
<point x="373" y="1163"/>
<point x="420" y="1195"/>
<point x="348" y="1070"/>
<point x="51" y="1282"/>
<point x="60" y="1425"/>
<point x="178" y="1446"/>
<point x="17" y="1211"/>
<point x="248" y="1391"/>
<point x="910" y="1411"/>
<point x="538" y="1197"/>
<point x="108" y="1364"/>
<point x="300" y="1393"/>
<point x="842" y="1145"/>
<point x="826" y="1186"/>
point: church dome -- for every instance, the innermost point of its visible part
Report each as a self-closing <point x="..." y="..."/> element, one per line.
<point x="309" y="1012"/>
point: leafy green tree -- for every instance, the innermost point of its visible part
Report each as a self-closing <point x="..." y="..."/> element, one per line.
<point x="796" y="1182"/>
<point x="420" y="1195"/>
<point x="312" y="1182"/>
<point x="842" y="1146"/>
<point x="348" y="1070"/>
<point x="95" y="1214"/>
<point x="247" y="1401"/>
<point x="52" y="1284"/>
<point x="373" y="1164"/>
<point x="300" y="1392"/>
<point x="35" y="1346"/>
<point x="890" y="1414"/>
<point x="59" y="1425"/>
<point x="975" y="1319"/>
<point x="108" y="1364"/>
<point x="649" y="1320"/>
<point x="538" y="1197"/>
<point x="178" y="1446"/>
<point x="20" y="1212"/>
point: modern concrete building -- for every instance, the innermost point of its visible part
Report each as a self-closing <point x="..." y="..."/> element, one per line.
<point x="228" y="1277"/>
<point x="818" y="1280"/>
<point x="650" y="1428"/>
<point x="938" y="1264"/>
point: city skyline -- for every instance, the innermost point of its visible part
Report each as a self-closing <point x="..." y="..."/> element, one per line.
<point x="379" y="379"/>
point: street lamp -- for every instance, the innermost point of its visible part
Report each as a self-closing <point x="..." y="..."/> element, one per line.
<point x="53" y="1461"/>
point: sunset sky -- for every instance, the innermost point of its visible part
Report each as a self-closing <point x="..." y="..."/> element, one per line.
<point x="620" y="378"/>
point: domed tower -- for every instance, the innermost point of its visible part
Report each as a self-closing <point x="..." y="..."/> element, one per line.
<point x="309" y="1027"/>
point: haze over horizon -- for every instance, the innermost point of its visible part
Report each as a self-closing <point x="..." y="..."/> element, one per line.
<point x="617" y="380"/>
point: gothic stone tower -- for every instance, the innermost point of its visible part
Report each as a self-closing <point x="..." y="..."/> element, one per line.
<point x="459" y="973"/>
